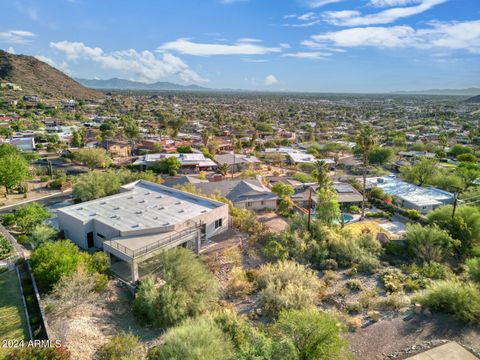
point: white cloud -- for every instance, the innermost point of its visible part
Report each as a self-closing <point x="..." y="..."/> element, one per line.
<point x="304" y="24"/>
<point x="62" y="67"/>
<point x="249" y="60"/>
<point x="16" y="36"/>
<point x="355" y="18"/>
<point x="249" y="40"/>
<point x="10" y="50"/>
<point x="311" y="55"/>
<point x="270" y="80"/>
<point x="440" y="35"/>
<point x="185" y="46"/>
<point x="143" y="66"/>
<point x="308" y="16"/>
<point x="229" y="2"/>
<point x="320" y="3"/>
<point x="389" y="3"/>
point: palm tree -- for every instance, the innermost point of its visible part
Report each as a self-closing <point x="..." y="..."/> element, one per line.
<point x="206" y="137"/>
<point x="321" y="173"/>
<point x="365" y="141"/>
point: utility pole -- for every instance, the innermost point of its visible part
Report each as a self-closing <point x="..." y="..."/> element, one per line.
<point x="455" y="204"/>
<point x="309" y="207"/>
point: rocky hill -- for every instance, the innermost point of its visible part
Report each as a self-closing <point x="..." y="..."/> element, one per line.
<point x="474" y="99"/>
<point x="38" y="78"/>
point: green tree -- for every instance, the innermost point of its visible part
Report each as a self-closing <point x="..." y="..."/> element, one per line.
<point x="380" y="155"/>
<point x="328" y="208"/>
<point x="464" y="226"/>
<point x="93" y="157"/>
<point x="28" y="216"/>
<point x="458" y="149"/>
<point x="96" y="184"/>
<point x="195" y="339"/>
<point x="42" y="233"/>
<point x="366" y="140"/>
<point x="314" y="334"/>
<point x="53" y="260"/>
<point x="420" y="173"/>
<point x="188" y="288"/>
<point x="169" y="165"/>
<point x="13" y="170"/>
<point x="284" y="192"/>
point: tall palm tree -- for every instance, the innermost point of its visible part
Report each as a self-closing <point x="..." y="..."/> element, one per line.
<point x="365" y="141"/>
<point x="321" y="173"/>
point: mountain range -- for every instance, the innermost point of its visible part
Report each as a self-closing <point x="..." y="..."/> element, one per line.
<point x="122" y="84"/>
<point x="459" y="92"/>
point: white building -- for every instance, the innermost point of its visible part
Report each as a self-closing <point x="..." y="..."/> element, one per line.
<point x="24" y="143"/>
<point x="190" y="163"/>
<point x="143" y="219"/>
<point x="423" y="199"/>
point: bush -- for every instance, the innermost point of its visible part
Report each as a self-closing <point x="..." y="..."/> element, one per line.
<point x="41" y="234"/>
<point x="457" y="298"/>
<point x="413" y="214"/>
<point x="313" y="334"/>
<point x="473" y="269"/>
<point x="329" y="264"/>
<point x="195" y="339"/>
<point x="354" y="284"/>
<point x="188" y="288"/>
<point x="26" y="217"/>
<point x="5" y="247"/>
<point x="429" y="243"/>
<point x="39" y="353"/>
<point x="123" y="346"/>
<point x="238" y="283"/>
<point x="287" y="285"/>
<point x="249" y="341"/>
<point x="353" y="209"/>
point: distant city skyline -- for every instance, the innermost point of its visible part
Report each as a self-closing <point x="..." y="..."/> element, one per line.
<point x="289" y="45"/>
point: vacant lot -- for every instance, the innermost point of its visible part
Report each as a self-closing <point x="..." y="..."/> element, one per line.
<point x="12" y="315"/>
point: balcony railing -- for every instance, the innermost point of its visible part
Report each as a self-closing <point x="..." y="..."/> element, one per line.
<point x="161" y="243"/>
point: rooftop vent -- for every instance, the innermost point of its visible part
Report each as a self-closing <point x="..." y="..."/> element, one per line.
<point x="139" y="212"/>
<point x="204" y="211"/>
<point x="93" y="214"/>
<point x="147" y="193"/>
<point x="130" y="198"/>
<point x="142" y="201"/>
<point x="181" y="211"/>
<point x="80" y="208"/>
<point x="116" y="208"/>
<point x="103" y="203"/>
<point x="178" y="203"/>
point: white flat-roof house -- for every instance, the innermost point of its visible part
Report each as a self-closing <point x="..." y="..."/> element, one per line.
<point x="143" y="219"/>
<point x="423" y="199"/>
<point x="190" y="163"/>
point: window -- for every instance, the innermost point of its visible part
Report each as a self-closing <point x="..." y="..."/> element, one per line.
<point x="249" y="204"/>
<point x="218" y="223"/>
<point x="101" y="236"/>
<point x="262" y="203"/>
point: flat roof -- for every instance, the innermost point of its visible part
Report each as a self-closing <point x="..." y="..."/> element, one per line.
<point x="421" y="196"/>
<point x="143" y="205"/>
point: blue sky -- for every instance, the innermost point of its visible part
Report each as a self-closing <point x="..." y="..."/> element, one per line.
<point x="295" y="45"/>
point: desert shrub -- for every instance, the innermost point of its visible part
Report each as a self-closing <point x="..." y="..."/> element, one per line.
<point x="354" y="284"/>
<point x="429" y="243"/>
<point x="188" y="288"/>
<point x="238" y="283"/>
<point x="473" y="269"/>
<point x="430" y="270"/>
<point x="313" y="334"/>
<point x="329" y="264"/>
<point x="392" y="302"/>
<point x="39" y="353"/>
<point x="413" y="214"/>
<point x="123" y="346"/>
<point x="195" y="339"/>
<point x="457" y="298"/>
<point x="287" y="285"/>
<point x="5" y="247"/>
<point x="393" y="280"/>
<point x="249" y="342"/>
<point x="41" y="234"/>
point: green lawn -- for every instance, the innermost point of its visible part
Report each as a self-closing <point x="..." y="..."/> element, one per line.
<point x="13" y="323"/>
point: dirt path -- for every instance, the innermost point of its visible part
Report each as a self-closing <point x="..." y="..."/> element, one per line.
<point x="394" y="335"/>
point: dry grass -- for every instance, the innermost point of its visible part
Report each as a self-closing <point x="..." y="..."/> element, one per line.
<point x="368" y="226"/>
